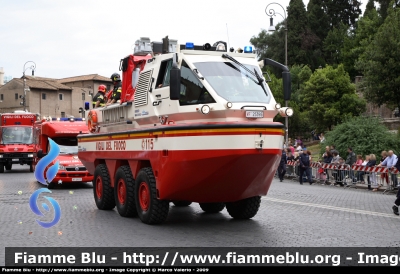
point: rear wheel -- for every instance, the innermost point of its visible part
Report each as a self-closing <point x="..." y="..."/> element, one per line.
<point x="8" y="166"/>
<point x="212" y="207"/>
<point x="182" y="203"/>
<point x="102" y="190"/>
<point x="1" y="168"/>
<point x="150" y="209"/>
<point x="124" y="192"/>
<point x="244" y="209"/>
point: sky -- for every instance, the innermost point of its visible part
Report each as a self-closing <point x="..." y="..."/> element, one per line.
<point x="79" y="37"/>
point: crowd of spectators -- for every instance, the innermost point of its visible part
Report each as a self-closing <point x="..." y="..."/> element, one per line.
<point x="298" y="152"/>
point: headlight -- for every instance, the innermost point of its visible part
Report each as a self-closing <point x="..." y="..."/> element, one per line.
<point x="205" y="109"/>
<point x="277" y="106"/>
<point x="229" y="105"/>
<point x="1" y="155"/>
<point x="61" y="167"/>
<point x="289" y="112"/>
<point x="30" y="155"/>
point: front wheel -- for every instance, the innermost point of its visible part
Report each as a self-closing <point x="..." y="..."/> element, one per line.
<point x="8" y="166"/>
<point x="1" y="168"/>
<point x="124" y="192"/>
<point x="31" y="167"/>
<point x="102" y="190"/>
<point x="150" y="209"/>
<point x="244" y="209"/>
<point x="212" y="207"/>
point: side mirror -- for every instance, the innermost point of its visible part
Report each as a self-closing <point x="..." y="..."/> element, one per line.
<point x="287" y="85"/>
<point x="40" y="154"/>
<point x="175" y="83"/>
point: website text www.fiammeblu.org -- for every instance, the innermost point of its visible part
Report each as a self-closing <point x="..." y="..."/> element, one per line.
<point x="230" y="258"/>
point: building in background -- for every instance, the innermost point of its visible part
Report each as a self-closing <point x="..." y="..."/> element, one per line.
<point x="51" y="97"/>
<point x="1" y="76"/>
<point x="373" y="110"/>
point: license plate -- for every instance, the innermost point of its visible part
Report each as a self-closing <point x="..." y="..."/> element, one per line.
<point x="76" y="179"/>
<point x="254" y="114"/>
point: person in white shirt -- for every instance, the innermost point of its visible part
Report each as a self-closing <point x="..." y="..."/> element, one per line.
<point x="360" y="174"/>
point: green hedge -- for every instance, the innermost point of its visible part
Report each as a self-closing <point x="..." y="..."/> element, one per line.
<point x="366" y="135"/>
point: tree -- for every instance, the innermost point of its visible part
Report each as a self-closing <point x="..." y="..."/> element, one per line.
<point x="318" y="24"/>
<point x="366" y="135"/>
<point x="380" y="63"/>
<point x="334" y="43"/>
<point x="297" y="32"/>
<point x="318" y="20"/>
<point x="342" y="11"/>
<point x="329" y="97"/>
<point x="271" y="45"/>
<point x="357" y="41"/>
<point x="383" y="8"/>
<point x="298" y="124"/>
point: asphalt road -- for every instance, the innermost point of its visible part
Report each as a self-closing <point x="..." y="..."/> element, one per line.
<point x="291" y="215"/>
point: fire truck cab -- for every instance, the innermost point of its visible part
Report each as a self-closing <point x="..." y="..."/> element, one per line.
<point x="63" y="132"/>
<point x="16" y="139"/>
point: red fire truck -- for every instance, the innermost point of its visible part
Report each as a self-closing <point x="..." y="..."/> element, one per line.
<point x="194" y="124"/>
<point x="16" y="139"/>
<point x="63" y="132"/>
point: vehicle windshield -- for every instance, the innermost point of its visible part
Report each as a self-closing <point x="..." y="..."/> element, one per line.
<point x="67" y="145"/>
<point x="234" y="83"/>
<point x="16" y="135"/>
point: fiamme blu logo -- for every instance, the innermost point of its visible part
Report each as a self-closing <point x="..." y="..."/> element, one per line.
<point x="45" y="180"/>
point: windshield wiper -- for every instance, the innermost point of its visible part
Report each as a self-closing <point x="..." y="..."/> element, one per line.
<point x="255" y="73"/>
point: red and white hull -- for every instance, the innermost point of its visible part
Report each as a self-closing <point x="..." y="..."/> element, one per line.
<point x="213" y="162"/>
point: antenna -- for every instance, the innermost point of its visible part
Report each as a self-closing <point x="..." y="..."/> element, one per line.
<point x="228" y="36"/>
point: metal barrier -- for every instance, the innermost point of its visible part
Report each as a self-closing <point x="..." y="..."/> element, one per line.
<point x="393" y="181"/>
<point x="294" y="169"/>
<point x="347" y="176"/>
<point x="318" y="173"/>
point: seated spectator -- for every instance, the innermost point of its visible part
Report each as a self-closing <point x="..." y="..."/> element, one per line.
<point x="359" y="160"/>
<point x="321" y="174"/>
<point x="290" y="157"/>
<point x="360" y="174"/>
<point x="332" y="173"/>
<point x="340" y="173"/>
<point x="384" y="176"/>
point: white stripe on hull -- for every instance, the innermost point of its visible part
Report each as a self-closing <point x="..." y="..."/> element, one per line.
<point x="186" y="143"/>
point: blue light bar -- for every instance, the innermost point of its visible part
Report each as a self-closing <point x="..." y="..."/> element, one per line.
<point x="189" y="45"/>
<point x="248" y="49"/>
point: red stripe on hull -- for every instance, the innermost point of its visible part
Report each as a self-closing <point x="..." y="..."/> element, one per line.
<point x="204" y="175"/>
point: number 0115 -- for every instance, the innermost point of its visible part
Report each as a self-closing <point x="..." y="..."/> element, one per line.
<point x="147" y="144"/>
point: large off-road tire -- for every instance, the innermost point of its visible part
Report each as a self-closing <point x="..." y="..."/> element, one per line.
<point x="244" y="209"/>
<point x="124" y="192"/>
<point x="1" y="168"/>
<point x="150" y="209"/>
<point x="182" y="203"/>
<point x="8" y="166"/>
<point x="102" y="190"/>
<point x="212" y="207"/>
